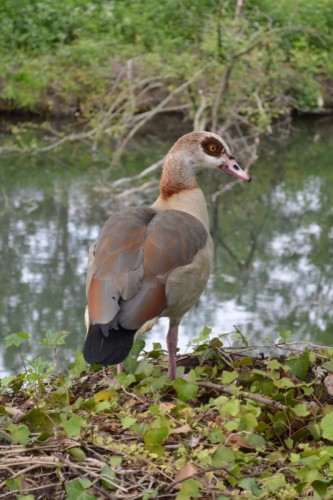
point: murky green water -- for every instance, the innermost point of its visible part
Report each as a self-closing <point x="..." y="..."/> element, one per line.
<point x="274" y="242"/>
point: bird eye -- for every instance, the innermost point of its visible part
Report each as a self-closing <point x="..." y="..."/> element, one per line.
<point x="212" y="148"/>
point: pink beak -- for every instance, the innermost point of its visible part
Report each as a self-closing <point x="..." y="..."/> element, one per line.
<point x="231" y="167"/>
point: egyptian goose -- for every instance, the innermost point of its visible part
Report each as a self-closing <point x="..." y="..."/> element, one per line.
<point x="154" y="261"/>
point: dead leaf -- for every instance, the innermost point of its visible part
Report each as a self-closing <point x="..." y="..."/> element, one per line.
<point x="187" y="471"/>
<point x="328" y="382"/>
<point x="182" y="430"/>
<point x="166" y="406"/>
<point x="236" y="441"/>
<point x="113" y="427"/>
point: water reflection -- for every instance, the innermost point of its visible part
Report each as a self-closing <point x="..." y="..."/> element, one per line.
<point x="273" y="248"/>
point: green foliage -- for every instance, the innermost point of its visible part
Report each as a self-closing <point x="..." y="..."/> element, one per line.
<point x="191" y="488"/>
<point x="73" y="425"/>
<point x="153" y="25"/>
<point x="327" y="426"/>
<point x="198" y="437"/>
<point x="78" y="453"/>
<point x="274" y="54"/>
<point x="76" y="489"/>
<point x="20" y="433"/>
<point x="15" y="483"/>
<point x="33" y="24"/>
<point x="52" y="339"/>
<point x="16" y="339"/>
<point x="154" y="437"/>
<point x="299" y="366"/>
<point x="185" y="390"/>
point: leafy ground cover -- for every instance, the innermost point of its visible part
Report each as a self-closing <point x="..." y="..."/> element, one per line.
<point x="238" y="426"/>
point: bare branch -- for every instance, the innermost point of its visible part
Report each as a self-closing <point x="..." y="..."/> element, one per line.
<point x="156" y="110"/>
<point x="147" y="171"/>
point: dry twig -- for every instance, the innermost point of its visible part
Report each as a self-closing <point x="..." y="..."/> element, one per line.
<point x="244" y="394"/>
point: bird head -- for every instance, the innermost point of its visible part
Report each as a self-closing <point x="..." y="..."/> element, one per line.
<point x="206" y="150"/>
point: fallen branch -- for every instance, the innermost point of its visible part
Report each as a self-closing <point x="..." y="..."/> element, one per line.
<point x="244" y="394"/>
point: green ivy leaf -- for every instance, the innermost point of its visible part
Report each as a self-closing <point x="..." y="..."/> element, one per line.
<point x="115" y="460"/>
<point x="73" y="425"/>
<point x="102" y="407"/>
<point x="156" y="436"/>
<point x="273" y="364"/>
<point x="150" y="494"/>
<point x="190" y="488"/>
<point x="11" y="381"/>
<point x="255" y="440"/>
<point x="216" y="436"/>
<point x="185" y="390"/>
<point x="229" y="377"/>
<point x="16" y="339"/>
<point x="299" y="366"/>
<point x="231" y="408"/>
<point x="301" y="410"/>
<point x="125" y="380"/>
<point x="275" y="482"/>
<point x="249" y="483"/>
<point x="321" y="486"/>
<point x="202" y="337"/>
<point x="15" y="484"/>
<point x="223" y="457"/>
<point x="75" y="489"/>
<point x="19" y="432"/>
<point x="109" y="478"/>
<point x="40" y="421"/>
<point x="283" y="382"/>
<point x="328" y="365"/>
<point x="127" y="422"/>
<point x="144" y="367"/>
<point x="327" y="426"/>
<point x="315" y="430"/>
<point x="53" y="339"/>
<point x="309" y="475"/>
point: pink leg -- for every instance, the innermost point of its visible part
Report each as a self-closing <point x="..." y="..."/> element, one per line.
<point x="119" y="368"/>
<point x="172" y="339"/>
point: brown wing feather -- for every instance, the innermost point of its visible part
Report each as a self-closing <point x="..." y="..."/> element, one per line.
<point x="136" y="252"/>
<point x="115" y="269"/>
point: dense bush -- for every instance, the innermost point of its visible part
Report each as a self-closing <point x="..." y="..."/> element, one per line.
<point x="271" y="51"/>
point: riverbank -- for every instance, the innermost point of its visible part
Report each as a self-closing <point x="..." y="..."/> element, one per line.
<point x="115" y="65"/>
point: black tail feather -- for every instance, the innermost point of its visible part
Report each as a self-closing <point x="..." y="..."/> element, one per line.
<point x="109" y="350"/>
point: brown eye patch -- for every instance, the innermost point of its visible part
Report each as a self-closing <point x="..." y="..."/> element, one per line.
<point x="212" y="146"/>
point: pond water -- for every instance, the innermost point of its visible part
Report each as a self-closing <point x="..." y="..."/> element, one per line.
<point x="273" y="238"/>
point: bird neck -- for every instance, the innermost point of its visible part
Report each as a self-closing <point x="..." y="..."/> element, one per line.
<point x="191" y="201"/>
<point x="177" y="175"/>
<point x="179" y="189"/>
